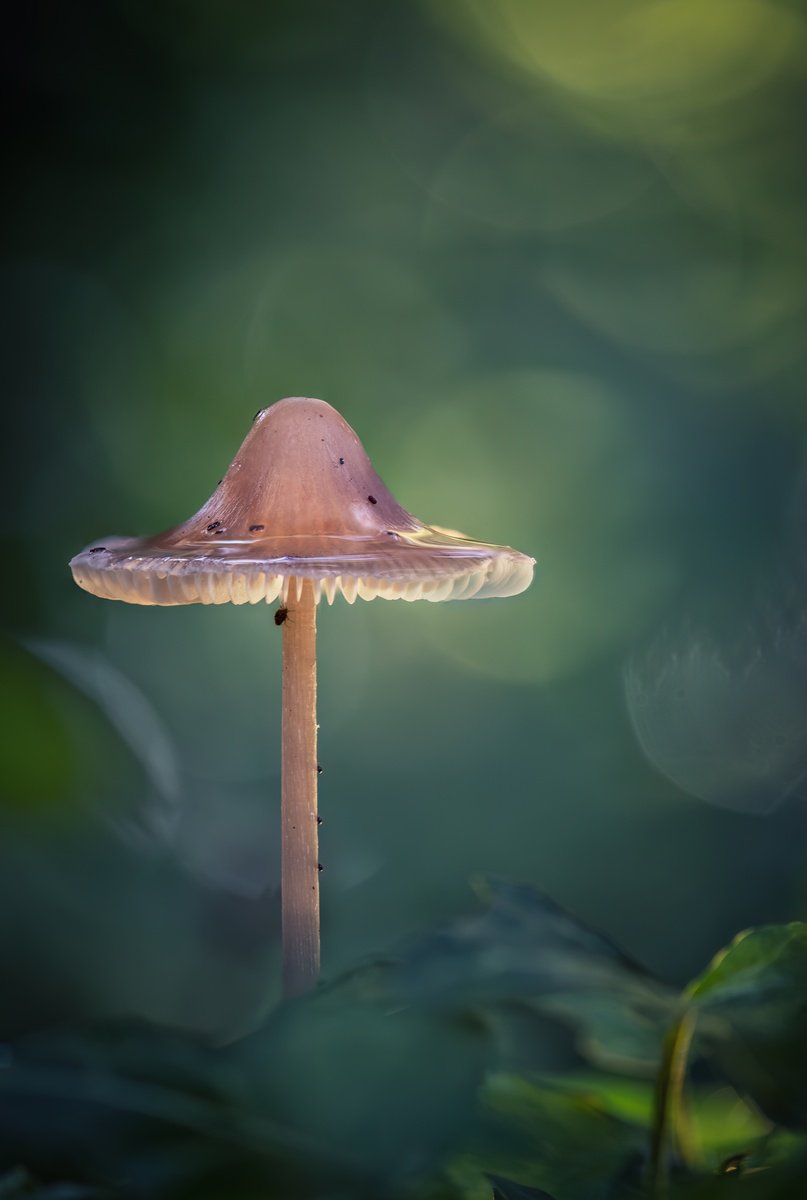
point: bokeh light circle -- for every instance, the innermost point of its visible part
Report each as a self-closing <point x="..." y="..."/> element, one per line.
<point x="549" y="462"/>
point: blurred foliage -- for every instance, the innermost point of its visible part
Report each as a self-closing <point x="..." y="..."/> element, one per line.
<point x="30" y="717"/>
<point x="399" y="1079"/>
<point x="752" y="1009"/>
<point x="550" y="260"/>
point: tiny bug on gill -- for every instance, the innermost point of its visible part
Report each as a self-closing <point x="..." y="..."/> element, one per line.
<point x="280" y="616"/>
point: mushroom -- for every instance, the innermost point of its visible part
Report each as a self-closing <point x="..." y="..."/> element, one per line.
<point x="299" y="515"/>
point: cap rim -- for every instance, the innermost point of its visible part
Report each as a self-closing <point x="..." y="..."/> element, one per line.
<point x="196" y="581"/>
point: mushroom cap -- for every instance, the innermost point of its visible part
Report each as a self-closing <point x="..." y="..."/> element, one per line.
<point x="300" y="501"/>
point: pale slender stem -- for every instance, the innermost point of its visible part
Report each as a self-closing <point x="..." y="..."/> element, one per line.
<point x="299" y="839"/>
<point x="670" y="1120"/>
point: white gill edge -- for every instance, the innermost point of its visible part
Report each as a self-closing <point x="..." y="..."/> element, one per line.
<point x="180" y="585"/>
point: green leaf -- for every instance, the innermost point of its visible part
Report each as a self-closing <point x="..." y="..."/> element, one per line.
<point x="392" y="1087"/>
<point x="768" y="1173"/>
<point x="759" y="964"/>
<point x="39" y="759"/>
<point x="132" y="718"/>
<point x="547" y="1139"/>
<point x="20" y="1185"/>
<point x="525" y="949"/>
<point x="752" y="1006"/>
<point x="150" y="1114"/>
<point x="620" y="1030"/>
<point x="721" y="1120"/>
<point x="505" y="1189"/>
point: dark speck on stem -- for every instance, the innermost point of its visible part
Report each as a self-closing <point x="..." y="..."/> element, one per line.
<point x="319" y="867"/>
<point x="341" y="462"/>
<point x="280" y="616"/>
<point x="391" y="533"/>
<point x="256" y="528"/>
<point x="213" y="525"/>
<point x="372" y="499"/>
<point x="319" y="769"/>
<point x="97" y="549"/>
<point x="218" y="531"/>
<point x="319" y="820"/>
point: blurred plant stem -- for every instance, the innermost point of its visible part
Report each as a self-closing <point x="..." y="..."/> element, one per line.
<point x="670" y="1121"/>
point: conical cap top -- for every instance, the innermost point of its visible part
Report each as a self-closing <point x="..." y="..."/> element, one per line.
<point x="301" y="500"/>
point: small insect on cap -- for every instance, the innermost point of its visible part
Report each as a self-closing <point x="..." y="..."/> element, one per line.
<point x="300" y="501"/>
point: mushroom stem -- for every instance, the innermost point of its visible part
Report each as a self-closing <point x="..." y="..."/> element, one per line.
<point x="299" y="840"/>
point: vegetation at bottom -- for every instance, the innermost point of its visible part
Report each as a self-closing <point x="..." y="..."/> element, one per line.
<point x="513" y="1054"/>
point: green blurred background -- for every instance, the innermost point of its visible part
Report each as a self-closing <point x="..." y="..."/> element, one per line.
<point x="548" y="258"/>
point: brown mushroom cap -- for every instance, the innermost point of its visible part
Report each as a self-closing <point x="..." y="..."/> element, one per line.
<point x="300" y="501"/>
